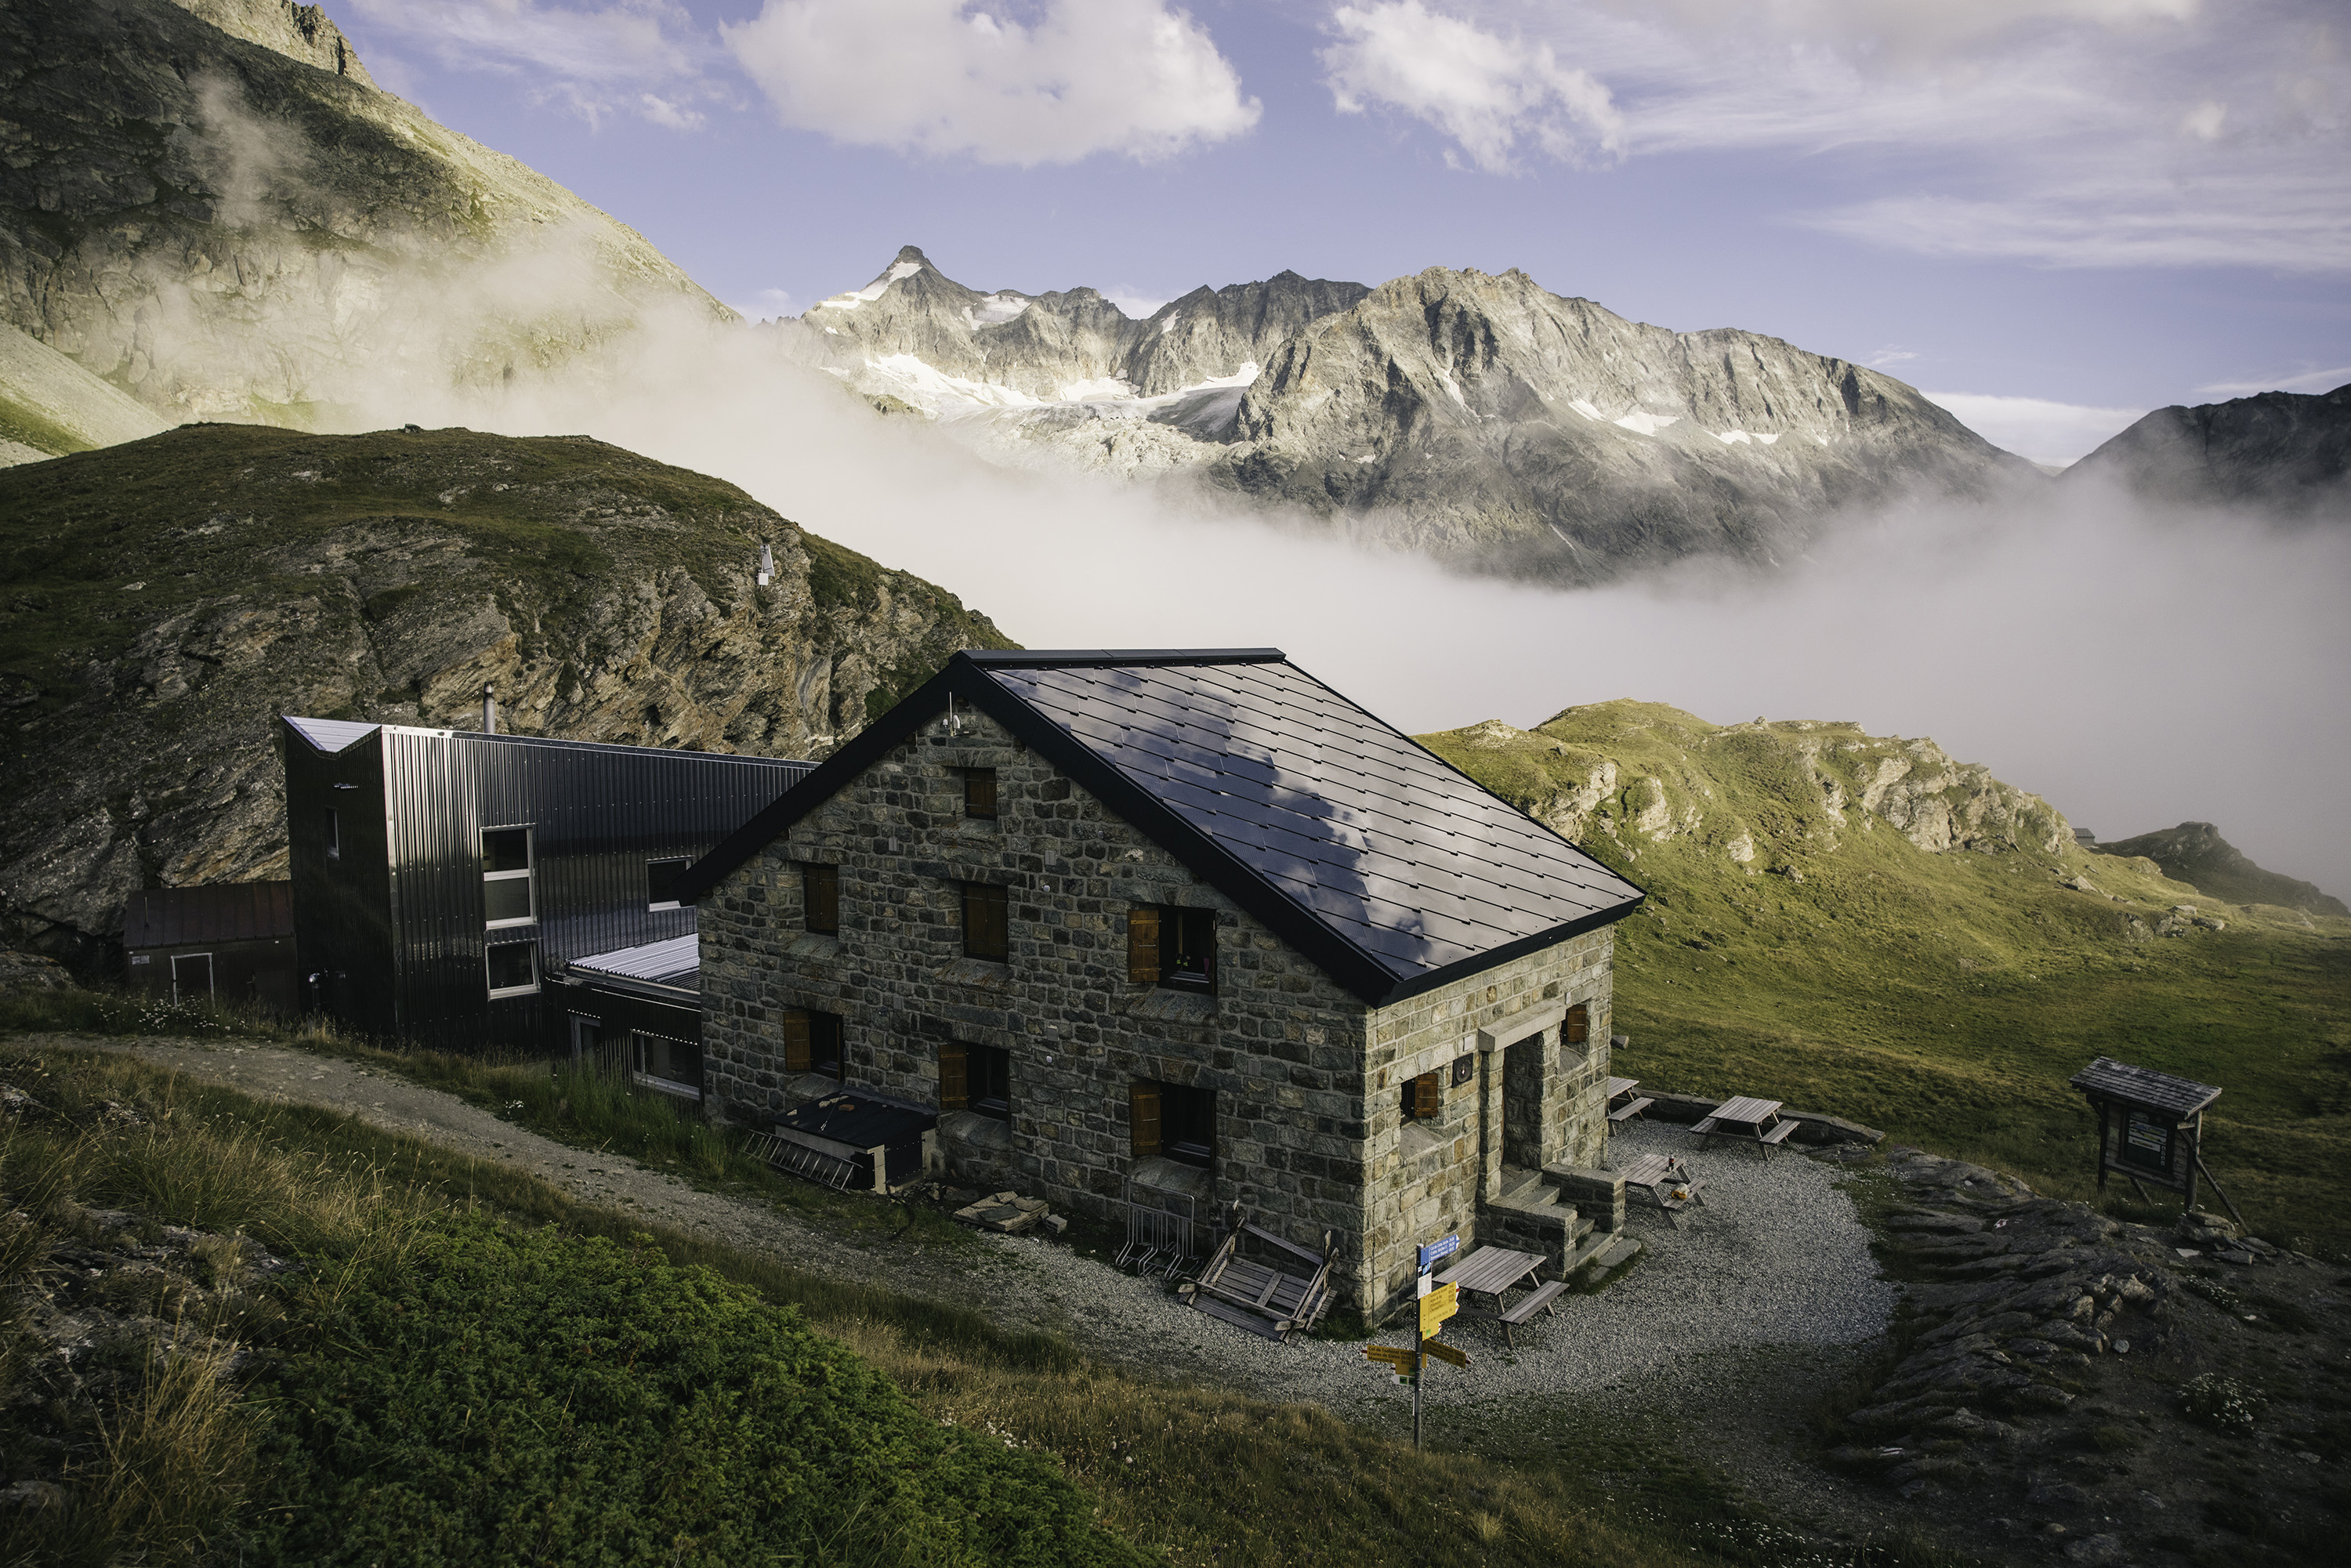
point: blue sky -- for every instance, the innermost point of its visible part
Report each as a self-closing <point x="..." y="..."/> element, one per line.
<point x="2098" y="204"/>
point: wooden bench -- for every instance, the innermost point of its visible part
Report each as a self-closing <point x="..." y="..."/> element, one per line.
<point x="1778" y="1134"/>
<point x="1542" y="1299"/>
<point x="1630" y="1109"/>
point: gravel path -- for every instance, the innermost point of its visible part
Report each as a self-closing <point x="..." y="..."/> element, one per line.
<point x="1776" y="1257"/>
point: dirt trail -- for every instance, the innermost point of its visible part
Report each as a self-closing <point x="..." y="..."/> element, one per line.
<point x="608" y="1180"/>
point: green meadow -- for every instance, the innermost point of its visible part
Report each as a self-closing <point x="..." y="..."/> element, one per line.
<point x="1944" y="996"/>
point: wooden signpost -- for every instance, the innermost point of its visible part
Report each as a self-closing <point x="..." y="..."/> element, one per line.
<point x="1437" y="1304"/>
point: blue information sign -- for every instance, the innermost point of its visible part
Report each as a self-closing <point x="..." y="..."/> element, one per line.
<point x="1437" y="1250"/>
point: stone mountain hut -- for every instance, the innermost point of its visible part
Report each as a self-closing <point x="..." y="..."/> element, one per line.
<point x="1183" y="924"/>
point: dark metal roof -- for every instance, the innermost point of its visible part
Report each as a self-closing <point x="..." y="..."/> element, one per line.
<point x="1390" y="868"/>
<point x="859" y="1120"/>
<point x="334" y="735"/>
<point x="676" y="961"/>
<point x="2106" y="1078"/>
<point x="220" y="912"/>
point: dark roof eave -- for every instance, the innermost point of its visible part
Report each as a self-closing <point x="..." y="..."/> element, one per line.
<point x="1478" y="963"/>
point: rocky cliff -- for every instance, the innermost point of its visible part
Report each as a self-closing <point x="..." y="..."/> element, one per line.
<point x="2285" y="451"/>
<point x="1620" y="777"/>
<point x="208" y="205"/>
<point x="1481" y="419"/>
<point x="167" y="598"/>
<point x="2195" y="853"/>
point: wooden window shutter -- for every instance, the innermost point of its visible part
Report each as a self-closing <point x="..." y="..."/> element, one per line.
<point x="1427" y="1095"/>
<point x="1142" y="945"/>
<point x="1143" y="1118"/>
<point x="1579" y="1024"/>
<point x="795" y="1040"/>
<point x="954" y="1076"/>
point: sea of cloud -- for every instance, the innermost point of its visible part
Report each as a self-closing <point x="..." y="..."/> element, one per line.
<point x="2135" y="666"/>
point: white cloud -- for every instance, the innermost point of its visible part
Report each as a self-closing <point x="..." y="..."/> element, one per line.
<point x="2053" y="432"/>
<point x="765" y="303"/>
<point x="1134" y="301"/>
<point x="1492" y="96"/>
<point x="599" y="61"/>
<point x="2069" y="132"/>
<point x="1892" y="355"/>
<point x="2324" y="381"/>
<point x="947" y="77"/>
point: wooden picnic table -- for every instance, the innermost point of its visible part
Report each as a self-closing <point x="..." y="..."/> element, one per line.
<point x="1749" y="1119"/>
<point x="1666" y="1181"/>
<point x="1492" y="1272"/>
<point x="1623" y="1103"/>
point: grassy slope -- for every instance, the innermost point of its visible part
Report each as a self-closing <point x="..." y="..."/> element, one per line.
<point x="1196" y="1476"/>
<point x="1943" y="997"/>
<point x="78" y="528"/>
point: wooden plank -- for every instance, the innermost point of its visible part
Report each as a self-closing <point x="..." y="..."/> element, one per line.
<point x="1630" y="1109"/>
<point x="1536" y="1300"/>
<point x="1622" y="1086"/>
<point x="1779" y="1133"/>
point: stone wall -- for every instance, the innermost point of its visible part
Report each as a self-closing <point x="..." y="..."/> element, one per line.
<point x="1427" y="1178"/>
<point x="1282" y="1046"/>
<point x="1309" y="1081"/>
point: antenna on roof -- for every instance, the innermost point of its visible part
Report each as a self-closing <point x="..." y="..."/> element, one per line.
<point x="489" y="708"/>
<point x="767" y="566"/>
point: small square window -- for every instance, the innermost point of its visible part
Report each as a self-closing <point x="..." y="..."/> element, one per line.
<point x="976" y="1078"/>
<point x="513" y="969"/>
<point x="821" y="898"/>
<point x="1172" y="1122"/>
<point x="986" y="933"/>
<point x="661" y="881"/>
<point x="1424" y="1097"/>
<point x="1171" y="946"/>
<point x="979" y="792"/>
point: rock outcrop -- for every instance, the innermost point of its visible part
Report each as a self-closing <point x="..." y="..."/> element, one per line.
<point x="2288" y="452"/>
<point x="2109" y="1390"/>
<point x="1635" y="774"/>
<point x="209" y="206"/>
<point x="168" y="598"/>
<point x="2195" y="853"/>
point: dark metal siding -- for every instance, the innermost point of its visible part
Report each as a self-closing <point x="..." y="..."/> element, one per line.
<point x="597" y="815"/>
<point x="342" y="907"/>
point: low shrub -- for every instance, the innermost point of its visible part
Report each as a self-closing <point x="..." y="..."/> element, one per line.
<point x="2221" y="1403"/>
<point x="517" y="1396"/>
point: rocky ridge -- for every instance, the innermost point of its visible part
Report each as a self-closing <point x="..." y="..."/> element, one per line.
<point x="208" y="205"/>
<point x="2289" y="452"/>
<point x="1638" y="773"/>
<point x="2061" y="1377"/>
<point x="168" y="598"/>
<point x="1478" y="418"/>
<point x="2195" y="853"/>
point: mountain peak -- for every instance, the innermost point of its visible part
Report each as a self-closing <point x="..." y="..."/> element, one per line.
<point x="911" y="253"/>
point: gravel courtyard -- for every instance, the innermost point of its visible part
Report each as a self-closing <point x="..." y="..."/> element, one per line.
<point x="1777" y="1257"/>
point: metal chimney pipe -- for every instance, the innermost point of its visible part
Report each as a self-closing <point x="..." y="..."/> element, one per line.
<point x="489" y="708"/>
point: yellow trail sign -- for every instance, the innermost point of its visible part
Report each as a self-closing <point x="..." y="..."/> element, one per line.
<point x="1444" y="1351"/>
<point x="1437" y="1306"/>
<point x="1394" y="1354"/>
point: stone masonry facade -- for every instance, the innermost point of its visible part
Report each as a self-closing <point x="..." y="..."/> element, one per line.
<point x="1308" y="1078"/>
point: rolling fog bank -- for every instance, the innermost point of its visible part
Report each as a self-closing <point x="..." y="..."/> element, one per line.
<point x="2138" y="666"/>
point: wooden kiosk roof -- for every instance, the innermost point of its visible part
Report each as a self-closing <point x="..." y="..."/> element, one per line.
<point x="2106" y="1078"/>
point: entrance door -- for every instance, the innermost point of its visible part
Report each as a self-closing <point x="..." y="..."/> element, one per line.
<point x="1522" y="1104"/>
<point x="192" y="976"/>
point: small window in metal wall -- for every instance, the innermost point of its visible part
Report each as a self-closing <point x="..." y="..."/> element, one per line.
<point x="507" y="877"/>
<point x="512" y="967"/>
<point x="671" y="1066"/>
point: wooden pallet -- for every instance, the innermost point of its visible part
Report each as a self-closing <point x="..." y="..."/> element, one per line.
<point x="1284" y="1288"/>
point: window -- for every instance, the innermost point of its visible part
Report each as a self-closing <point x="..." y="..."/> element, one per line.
<point x="979" y="792"/>
<point x="661" y="883"/>
<point x="820" y="897"/>
<point x="1173" y="1121"/>
<point x="1424" y="1097"/>
<point x="976" y="1078"/>
<point x="505" y="876"/>
<point x="984" y="931"/>
<point x="1578" y="1028"/>
<point x="671" y="1066"/>
<point x="813" y="1042"/>
<point x="513" y="969"/>
<point x="334" y="835"/>
<point x="584" y="1030"/>
<point x="1172" y="948"/>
